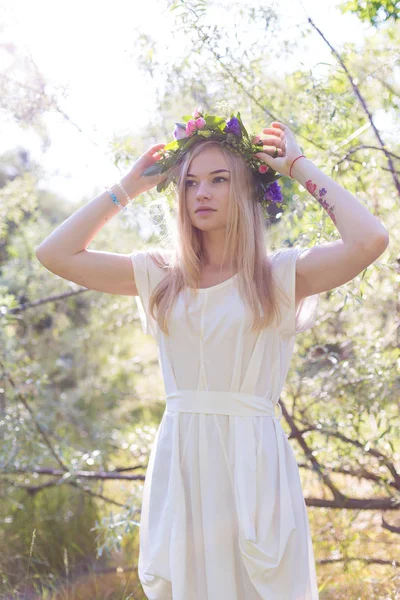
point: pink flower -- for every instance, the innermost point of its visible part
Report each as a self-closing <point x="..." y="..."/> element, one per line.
<point x="197" y="112"/>
<point x="263" y="168"/>
<point x="200" y="123"/>
<point x="191" y="127"/>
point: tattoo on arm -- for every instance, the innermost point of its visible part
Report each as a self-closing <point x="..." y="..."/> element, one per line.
<point x="319" y="196"/>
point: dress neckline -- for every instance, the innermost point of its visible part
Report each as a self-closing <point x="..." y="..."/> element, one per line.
<point x="217" y="285"/>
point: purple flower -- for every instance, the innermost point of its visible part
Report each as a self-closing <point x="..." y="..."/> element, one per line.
<point x="233" y="126"/>
<point x="273" y="193"/>
<point x="180" y="131"/>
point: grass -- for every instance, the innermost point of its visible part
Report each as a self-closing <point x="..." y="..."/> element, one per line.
<point x="117" y="583"/>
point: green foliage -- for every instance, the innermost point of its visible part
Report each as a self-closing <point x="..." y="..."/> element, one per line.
<point x="81" y="385"/>
<point x="375" y="12"/>
<point x="61" y="518"/>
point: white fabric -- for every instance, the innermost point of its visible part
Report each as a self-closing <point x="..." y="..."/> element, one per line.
<point x="223" y="511"/>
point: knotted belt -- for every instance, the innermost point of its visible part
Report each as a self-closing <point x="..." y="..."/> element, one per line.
<point x="222" y="403"/>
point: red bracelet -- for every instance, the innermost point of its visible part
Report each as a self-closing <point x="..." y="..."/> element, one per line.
<point x="290" y="171"/>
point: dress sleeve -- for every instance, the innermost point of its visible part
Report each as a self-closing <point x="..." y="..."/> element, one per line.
<point x="147" y="276"/>
<point x="284" y="261"/>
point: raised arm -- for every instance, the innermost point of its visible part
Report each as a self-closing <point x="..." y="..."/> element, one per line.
<point x="363" y="236"/>
<point x="331" y="264"/>
<point x="64" y="252"/>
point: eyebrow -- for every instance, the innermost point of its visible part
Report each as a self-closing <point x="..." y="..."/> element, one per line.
<point x="212" y="172"/>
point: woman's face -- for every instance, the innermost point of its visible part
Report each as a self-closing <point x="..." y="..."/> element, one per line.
<point x="207" y="187"/>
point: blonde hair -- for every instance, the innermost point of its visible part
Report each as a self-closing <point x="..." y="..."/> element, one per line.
<point x="244" y="241"/>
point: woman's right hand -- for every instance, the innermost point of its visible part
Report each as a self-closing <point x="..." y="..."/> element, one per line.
<point x="138" y="183"/>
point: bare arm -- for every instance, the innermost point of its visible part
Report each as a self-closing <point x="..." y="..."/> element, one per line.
<point x="364" y="238"/>
<point x="76" y="233"/>
<point x="64" y="252"/>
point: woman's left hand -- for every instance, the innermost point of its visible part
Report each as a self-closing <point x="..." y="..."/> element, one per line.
<point x="281" y="137"/>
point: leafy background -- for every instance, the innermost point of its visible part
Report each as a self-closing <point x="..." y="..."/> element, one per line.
<point x="81" y="393"/>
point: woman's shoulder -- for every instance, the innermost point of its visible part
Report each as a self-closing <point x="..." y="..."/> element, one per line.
<point x="162" y="257"/>
<point x="153" y="261"/>
<point x="285" y="255"/>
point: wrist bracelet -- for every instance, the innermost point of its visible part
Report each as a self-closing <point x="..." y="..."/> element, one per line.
<point x="290" y="171"/>
<point x="124" y="190"/>
<point x="115" y="199"/>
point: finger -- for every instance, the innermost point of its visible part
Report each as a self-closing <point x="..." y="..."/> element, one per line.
<point x="272" y="151"/>
<point x="279" y="125"/>
<point x="273" y="141"/>
<point x="273" y="137"/>
<point x="154" y="148"/>
<point x="274" y="131"/>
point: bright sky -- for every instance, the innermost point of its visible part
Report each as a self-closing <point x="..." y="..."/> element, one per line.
<point x="87" y="48"/>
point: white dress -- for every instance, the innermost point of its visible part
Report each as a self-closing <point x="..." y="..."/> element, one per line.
<point x="223" y="512"/>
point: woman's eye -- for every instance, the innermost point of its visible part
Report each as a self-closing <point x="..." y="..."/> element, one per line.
<point x="191" y="180"/>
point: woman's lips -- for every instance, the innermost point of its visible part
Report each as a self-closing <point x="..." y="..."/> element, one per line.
<point x="205" y="210"/>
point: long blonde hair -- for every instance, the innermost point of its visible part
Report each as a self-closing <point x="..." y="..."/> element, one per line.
<point x="244" y="242"/>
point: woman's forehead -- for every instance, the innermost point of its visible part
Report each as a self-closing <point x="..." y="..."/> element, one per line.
<point x="207" y="161"/>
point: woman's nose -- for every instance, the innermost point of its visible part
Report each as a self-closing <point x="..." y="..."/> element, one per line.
<point x="202" y="189"/>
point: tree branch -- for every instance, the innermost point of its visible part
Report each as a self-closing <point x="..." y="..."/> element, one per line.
<point x="363" y="104"/>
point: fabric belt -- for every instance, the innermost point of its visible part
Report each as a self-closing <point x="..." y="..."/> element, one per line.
<point x="222" y="403"/>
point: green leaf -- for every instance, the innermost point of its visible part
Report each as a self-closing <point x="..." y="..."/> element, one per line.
<point x="161" y="186"/>
<point x="174" y="145"/>
<point x="155" y="169"/>
<point x="215" y="122"/>
<point x="188" y="142"/>
<point x="242" y="126"/>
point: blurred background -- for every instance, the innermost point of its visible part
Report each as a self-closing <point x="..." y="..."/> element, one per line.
<point x="86" y="88"/>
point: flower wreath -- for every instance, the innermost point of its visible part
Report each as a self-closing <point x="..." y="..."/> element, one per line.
<point x="233" y="135"/>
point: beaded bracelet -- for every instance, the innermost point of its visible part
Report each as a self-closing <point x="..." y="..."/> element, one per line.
<point x="115" y="199"/>
<point x="124" y="190"/>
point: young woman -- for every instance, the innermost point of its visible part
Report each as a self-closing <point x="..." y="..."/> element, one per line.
<point x="223" y="511"/>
